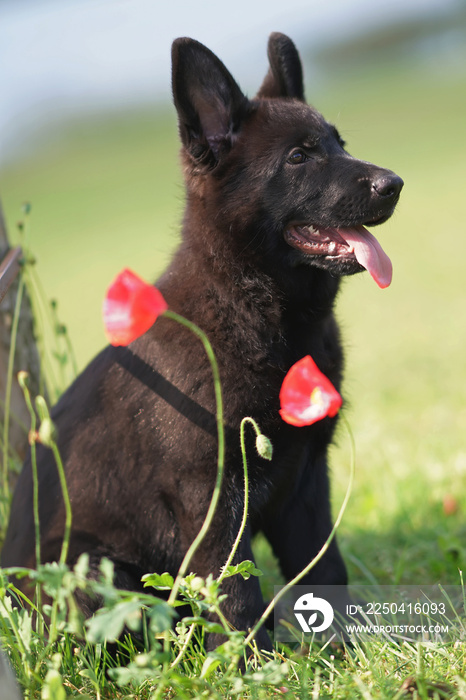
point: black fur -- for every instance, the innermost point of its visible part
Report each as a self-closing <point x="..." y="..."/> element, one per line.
<point x="137" y="429"/>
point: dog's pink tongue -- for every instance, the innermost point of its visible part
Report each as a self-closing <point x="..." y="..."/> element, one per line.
<point x="369" y="253"/>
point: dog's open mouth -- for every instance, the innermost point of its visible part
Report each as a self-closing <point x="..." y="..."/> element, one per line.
<point x="343" y="244"/>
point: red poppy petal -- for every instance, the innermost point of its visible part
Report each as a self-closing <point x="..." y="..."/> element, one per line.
<point x="130" y="308"/>
<point x="300" y="403"/>
<point x="296" y="415"/>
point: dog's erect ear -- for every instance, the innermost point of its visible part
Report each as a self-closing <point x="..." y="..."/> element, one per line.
<point x="209" y="103"/>
<point x="285" y="76"/>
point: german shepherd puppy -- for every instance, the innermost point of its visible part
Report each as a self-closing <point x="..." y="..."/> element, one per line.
<point x="275" y="215"/>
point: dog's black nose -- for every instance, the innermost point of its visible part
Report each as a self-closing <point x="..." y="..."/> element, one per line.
<point x="388" y="185"/>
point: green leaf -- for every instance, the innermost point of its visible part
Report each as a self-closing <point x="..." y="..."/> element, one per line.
<point x="108" y="624"/>
<point x="209" y="625"/>
<point x="107" y="570"/>
<point x="53" y="687"/>
<point x="81" y="568"/>
<point x="161" y="617"/>
<point x="90" y="674"/>
<point x="24" y="628"/>
<point x="162" y="582"/>
<point x="245" y="568"/>
<point x="210" y="664"/>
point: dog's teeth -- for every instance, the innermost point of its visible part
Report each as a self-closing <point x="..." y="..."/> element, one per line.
<point x="332" y="247"/>
<point x="311" y="229"/>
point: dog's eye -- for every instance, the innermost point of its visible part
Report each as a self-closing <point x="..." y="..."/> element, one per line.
<point x="297" y="157"/>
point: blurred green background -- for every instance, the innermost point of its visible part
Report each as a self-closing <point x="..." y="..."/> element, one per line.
<point x="106" y="193"/>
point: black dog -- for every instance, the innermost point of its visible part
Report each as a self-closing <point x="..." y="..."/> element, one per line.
<point x="275" y="213"/>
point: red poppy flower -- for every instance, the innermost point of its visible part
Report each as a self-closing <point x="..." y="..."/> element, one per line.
<point x="130" y="308"/>
<point x="307" y="395"/>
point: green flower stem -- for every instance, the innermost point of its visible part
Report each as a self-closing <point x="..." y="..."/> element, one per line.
<point x="66" y="535"/>
<point x="223" y="620"/>
<point x="322" y="551"/>
<point x="221" y="451"/>
<point x="245" y="420"/>
<point x="22" y="379"/>
<point x="66" y="499"/>
<point x="48" y="439"/>
<point x="48" y="382"/>
<point x="9" y="383"/>
<point x="220" y="469"/>
<point x="47" y="436"/>
<point x="185" y="646"/>
<point x="60" y="330"/>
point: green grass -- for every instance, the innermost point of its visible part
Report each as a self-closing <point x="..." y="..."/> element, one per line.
<point x="107" y="194"/>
